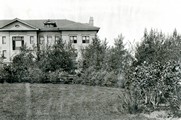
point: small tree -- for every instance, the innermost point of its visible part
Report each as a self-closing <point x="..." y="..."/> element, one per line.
<point x="94" y="54"/>
<point x="150" y="48"/>
<point x="59" y="56"/>
<point x="119" y="58"/>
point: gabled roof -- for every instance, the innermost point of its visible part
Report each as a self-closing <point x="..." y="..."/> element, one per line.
<point x="15" y="20"/>
<point x="62" y="24"/>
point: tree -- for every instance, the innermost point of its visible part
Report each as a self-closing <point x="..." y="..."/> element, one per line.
<point x="94" y="54"/>
<point x="150" y="49"/>
<point x="119" y="57"/>
<point x="154" y="83"/>
<point x="59" y="56"/>
<point x="154" y="77"/>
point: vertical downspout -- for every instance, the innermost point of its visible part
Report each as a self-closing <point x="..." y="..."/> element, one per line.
<point x="38" y="46"/>
<point x="10" y="47"/>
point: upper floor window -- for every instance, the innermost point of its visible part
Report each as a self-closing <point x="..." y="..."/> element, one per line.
<point x="41" y="39"/>
<point x="3" y="39"/>
<point x="18" y="42"/>
<point x="85" y="39"/>
<point x="49" y="39"/>
<point x="31" y="39"/>
<point x="73" y="39"/>
<point x="57" y="38"/>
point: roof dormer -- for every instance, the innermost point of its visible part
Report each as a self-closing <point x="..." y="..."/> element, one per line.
<point x="50" y="24"/>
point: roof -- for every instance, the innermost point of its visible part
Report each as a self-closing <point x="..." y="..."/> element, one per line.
<point x="62" y="24"/>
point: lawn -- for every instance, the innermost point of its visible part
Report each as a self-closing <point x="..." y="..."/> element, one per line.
<point x="61" y="102"/>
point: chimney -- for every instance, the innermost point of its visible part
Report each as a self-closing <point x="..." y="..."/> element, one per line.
<point x="91" y="21"/>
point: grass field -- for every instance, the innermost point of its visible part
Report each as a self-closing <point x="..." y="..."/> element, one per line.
<point x="61" y="102"/>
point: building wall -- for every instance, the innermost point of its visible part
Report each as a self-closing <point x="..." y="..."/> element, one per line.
<point x="79" y="45"/>
<point x="45" y="35"/>
<point x="65" y="35"/>
<point x="10" y="53"/>
<point x="5" y="46"/>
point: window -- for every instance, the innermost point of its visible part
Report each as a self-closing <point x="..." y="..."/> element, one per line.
<point x="31" y="39"/>
<point x="73" y="39"/>
<point x="4" y="54"/>
<point x="49" y="39"/>
<point x="41" y="40"/>
<point x="50" y="23"/>
<point x="85" y="39"/>
<point x="3" y="39"/>
<point x="57" y="38"/>
<point x="18" y="42"/>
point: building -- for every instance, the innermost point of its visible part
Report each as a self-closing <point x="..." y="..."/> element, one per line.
<point x="16" y="33"/>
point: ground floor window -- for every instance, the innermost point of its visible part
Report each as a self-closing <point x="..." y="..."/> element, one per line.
<point x="3" y="39"/>
<point x="4" y="54"/>
<point x="31" y="39"/>
<point x="18" y="42"/>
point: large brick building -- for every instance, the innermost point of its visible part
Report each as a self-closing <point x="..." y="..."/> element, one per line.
<point x="16" y="33"/>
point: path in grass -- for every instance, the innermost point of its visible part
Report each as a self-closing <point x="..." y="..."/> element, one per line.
<point x="28" y="101"/>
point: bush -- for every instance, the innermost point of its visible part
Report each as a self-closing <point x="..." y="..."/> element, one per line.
<point x="2" y="74"/>
<point x="154" y="84"/>
<point x="58" y="56"/>
<point x="7" y="74"/>
<point x="60" y="76"/>
<point x="110" y="79"/>
<point x="53" y="77"/>
<point x="35" y="75"/>
<point x="97" y="77"/>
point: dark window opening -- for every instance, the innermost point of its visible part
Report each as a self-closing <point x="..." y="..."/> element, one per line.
<point x="18" y="42"/>
<point x="4" y="54"/>
<point x="50" y="24"/>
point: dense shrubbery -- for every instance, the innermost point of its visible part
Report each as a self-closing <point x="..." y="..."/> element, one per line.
<point x="154" y="84"/>
<point x="97" y="77"/>
<point x="154" y="77"/>
<point x="103" y="65"/>
<point x="47" y="67"/>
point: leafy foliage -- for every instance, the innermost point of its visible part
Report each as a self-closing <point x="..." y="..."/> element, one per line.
<point x="104" y="65"/>
<point x="57" y="57"/>
<point x="119" y="59"/>
<point x="94" y="54"/>
<point x="154" y="77"/>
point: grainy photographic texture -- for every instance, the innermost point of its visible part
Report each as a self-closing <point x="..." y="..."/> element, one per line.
<point x="90" y="60"/>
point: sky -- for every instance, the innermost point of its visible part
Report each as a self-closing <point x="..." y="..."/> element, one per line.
<point x="114" y="17"/>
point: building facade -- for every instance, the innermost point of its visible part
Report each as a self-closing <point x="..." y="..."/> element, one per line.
<point x="38" y="33"/>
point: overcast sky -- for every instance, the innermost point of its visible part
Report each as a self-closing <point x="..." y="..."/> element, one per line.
<point x="129" y="17"/>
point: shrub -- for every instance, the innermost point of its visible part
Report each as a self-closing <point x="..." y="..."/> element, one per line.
<point x="155" y="83"/>
<point x="53" y="77"/>
<point x="35" y="75"/>
<point x="2" y="74"/>
<point x="58" y="56"/>
<point x="110" y="79"/>
<point x="98" y="77"/>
